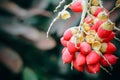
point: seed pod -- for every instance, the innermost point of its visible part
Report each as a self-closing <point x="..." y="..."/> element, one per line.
<point x="109" y="38"/>
<point x="85" y="48"/>
<point x="93" y="68"/>
<point x="76" y="6"/>
<point x="103" y="16"/>
<point x="93" y="57"/>
<point x="65" y="15"/>
<point x="67" y="57"/>
<point x="90" y="39"/>
<point x="72" y="48"/>
<point x="108" y="48"/>
<point x="96" y="45"/>
<point x="77" y="67"/>
<point x="63" y="42"/>
<point x="105" y="29"/>
<point x="80" y="59"/>
<point x="109" y="59"/>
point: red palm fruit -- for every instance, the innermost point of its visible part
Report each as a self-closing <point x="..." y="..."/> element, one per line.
<point x="77" y="6"/>
<point x="95" y="10"/>
<point x="67" y="57"/>
<point x="64" y="49"/>
<point x="96" y="25"/>
<point x="108" y="48"/>
<point x="93" y="57"/>
<point x="85" y="48"/>
<point x="109" y="38"/>
<point x="72" y="48"/>
<point x="105" y="29"/>
<point x="67" y="34"/>
<point x="93" y="68"/>
<point x="77" y="67"/>
<point x="80" y="59"/>
<point x="88" y="20"/>
<point x="63" y="42"/>
<point x="108" y="59"/>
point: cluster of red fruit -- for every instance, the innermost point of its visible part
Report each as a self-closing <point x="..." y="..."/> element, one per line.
<point x="89" y="47"/>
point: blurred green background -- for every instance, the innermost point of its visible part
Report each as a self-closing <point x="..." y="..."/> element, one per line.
<point x="26" y="53"/>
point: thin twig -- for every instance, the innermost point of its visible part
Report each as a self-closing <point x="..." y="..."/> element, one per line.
<point x="101" y="3"/>
<point x="117" y="29"/>
<point x="61" y="2"/>
<point x="114" y="8"/>
<point x="105" y="70"/>
<point x="85" y="6"/>
<point x="117" y="39"/>
<point x="65" y="7"/>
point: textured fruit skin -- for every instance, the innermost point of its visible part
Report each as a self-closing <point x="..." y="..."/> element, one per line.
<point x="102" y="33"/>
<point x="77" y="67"/>
<point x="109" y="38"/>
<point x="92" y="58"/>
<point x="88" y="19"/>
<point x="64" y="49"/>
<point x="96" y="25"/>
<point x="67" y="57"/>
<point x="112" y="59"/>
<point x="77" y="6"/>
<point x="93" y="68"/>
<point x="63" y="42"/>
<point x="71" y="47"/>
<point x="80" y="59"/>
<point x="67" y="34"/>
<point x="99" y="9"/>
<point x="111" y="48"/>
<point x="85" y="48"/>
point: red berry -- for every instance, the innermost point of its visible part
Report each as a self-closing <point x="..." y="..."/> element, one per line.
<point x="77" y="6"/>
<point x="96" y="10"/>
<point x="63" y="42"/>
<point x="72" y="48"/>
<point x="80" y="59"/>
<point x="108" y="48"/>
<point x="92" y="58"/>
<point x="96" y="25"/>
<point x="88" y="20"/>
<point x="64" y="49"/>
<point x="109" y="38"/>
<point x="93" y="68"/>
<point x="102" y="33"/>
<point x="85" y="48"/>
<point x="111" y="48"/>
<point x="67" y="34"/>
<point x="105" y="29"/>
<point x="67" y="57"/>
<point x="109" y="58"/>
<point x="77" y="67"/>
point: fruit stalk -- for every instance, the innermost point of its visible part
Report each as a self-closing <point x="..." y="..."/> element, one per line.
<point x="85" y="5"/>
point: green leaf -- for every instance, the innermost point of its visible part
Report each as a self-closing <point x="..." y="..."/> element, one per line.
<point x="29" y="74"/>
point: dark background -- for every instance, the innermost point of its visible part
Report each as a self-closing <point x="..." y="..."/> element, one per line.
<point x="25" y="54"/>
